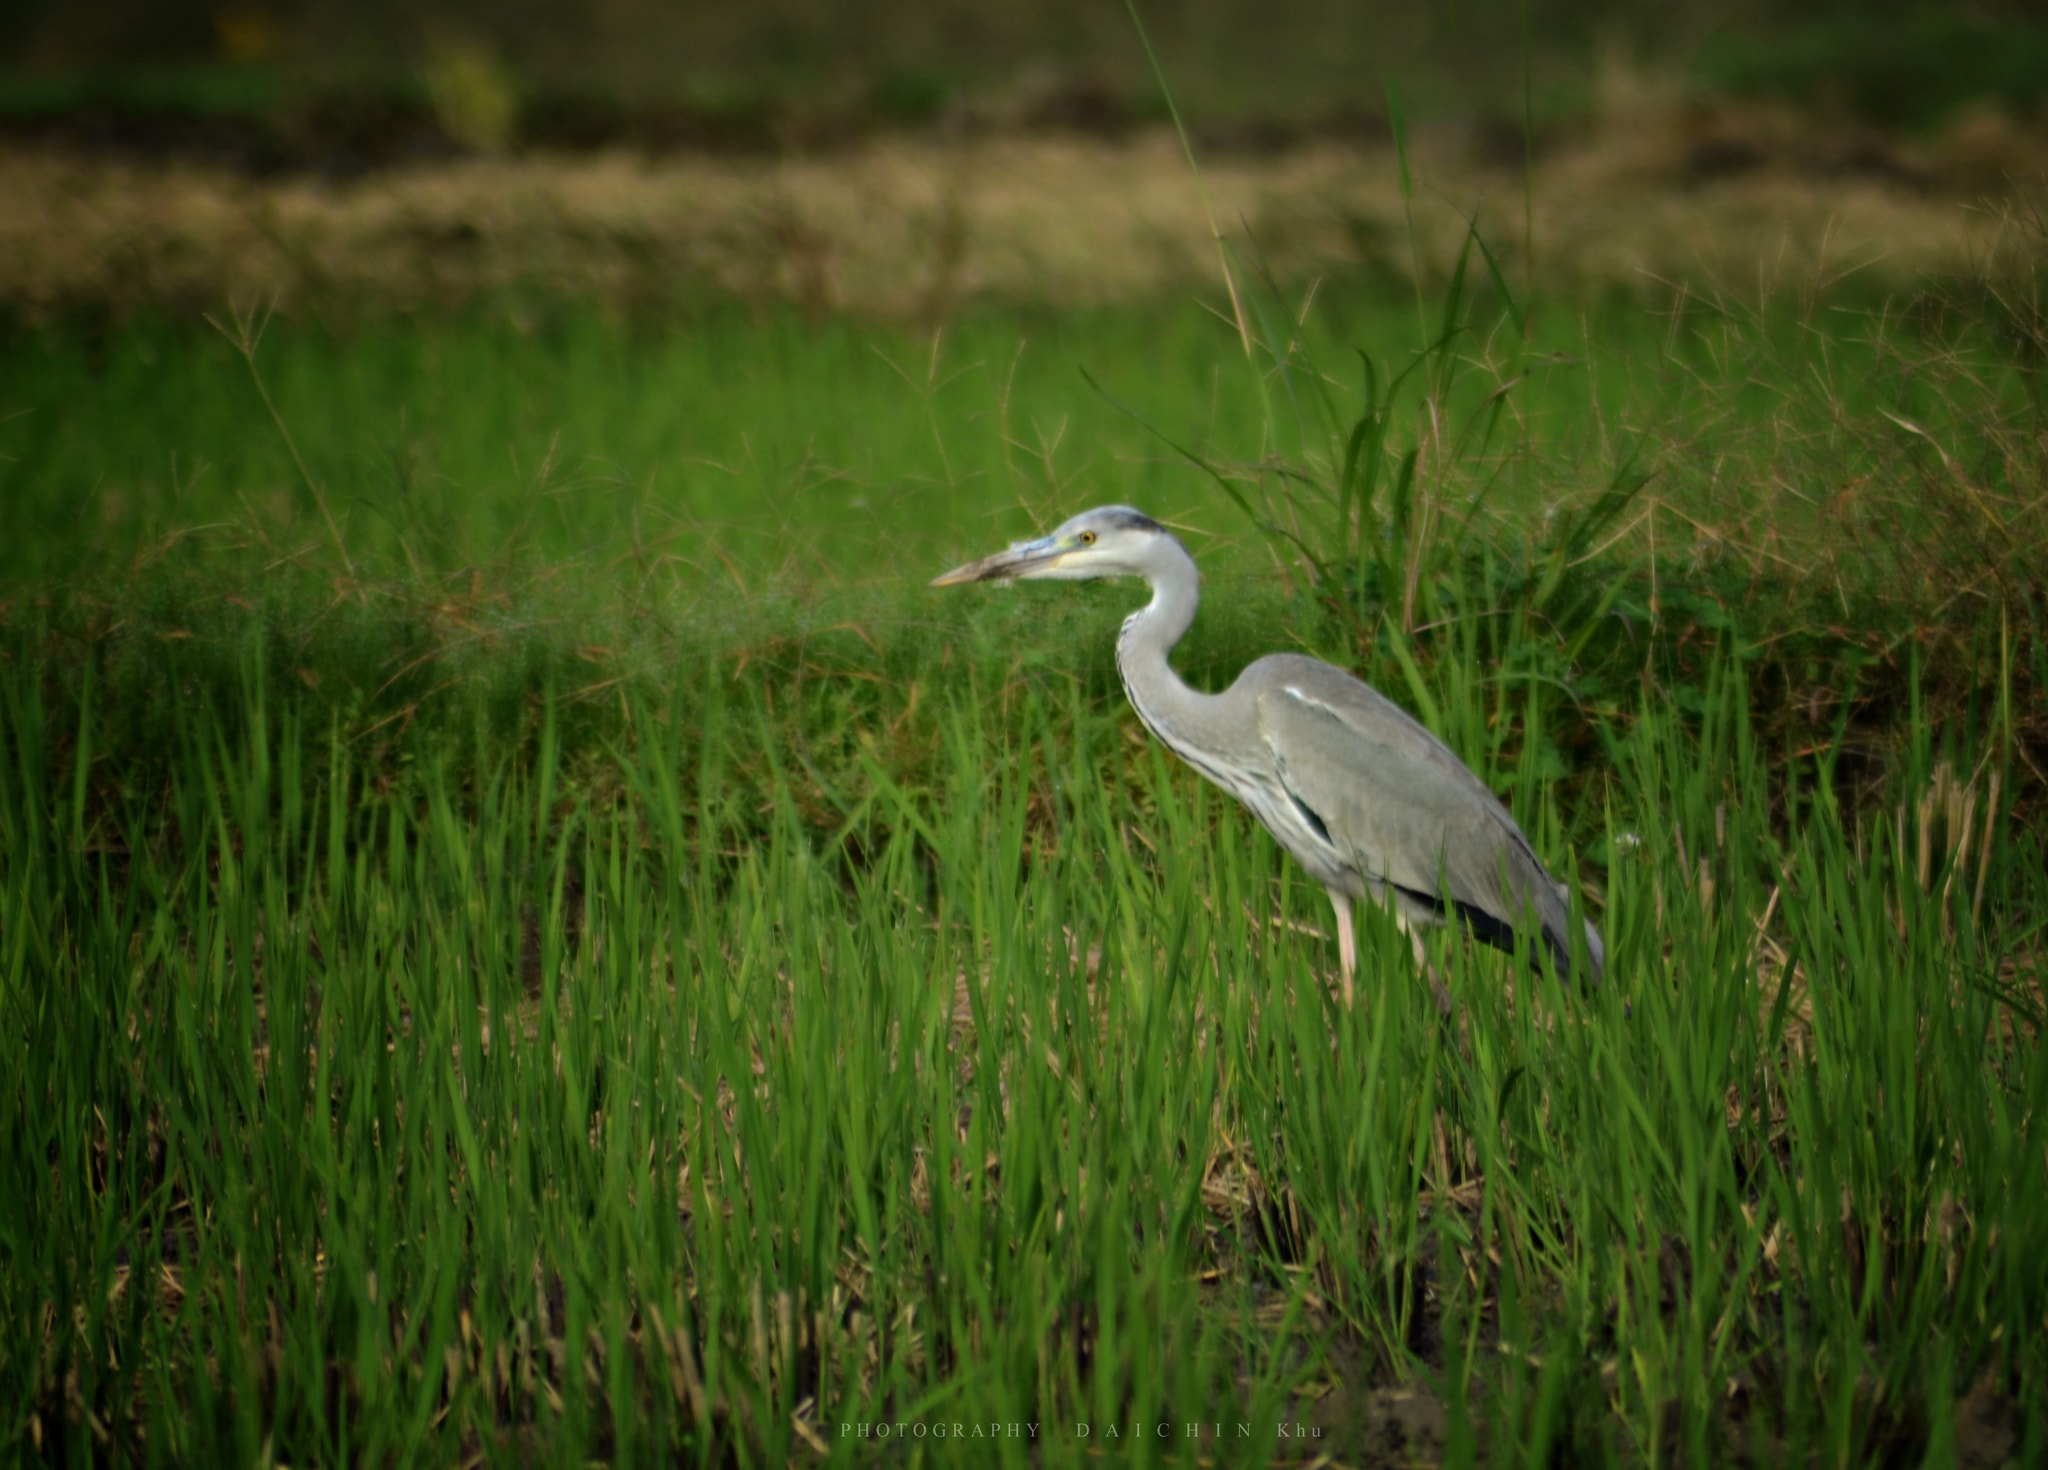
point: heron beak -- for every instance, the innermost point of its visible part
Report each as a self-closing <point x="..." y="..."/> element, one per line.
<point x="1019" y="561"/>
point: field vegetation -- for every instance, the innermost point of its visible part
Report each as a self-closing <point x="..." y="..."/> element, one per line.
<point x="527" y="931"/>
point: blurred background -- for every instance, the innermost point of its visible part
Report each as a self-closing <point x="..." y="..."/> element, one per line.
<point x="852" y="155"/>
<point x="581" y="72"/>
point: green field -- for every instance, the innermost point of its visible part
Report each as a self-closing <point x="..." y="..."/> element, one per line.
<point x="529" y="933"/>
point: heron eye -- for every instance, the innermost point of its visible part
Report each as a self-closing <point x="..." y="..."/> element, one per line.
<point x="1087" y="538"/>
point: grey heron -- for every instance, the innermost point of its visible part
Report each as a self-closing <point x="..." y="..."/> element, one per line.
<point x="1365" y="798"/>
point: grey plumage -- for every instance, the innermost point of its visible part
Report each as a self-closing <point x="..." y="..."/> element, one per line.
<point x="1364" y="797"/>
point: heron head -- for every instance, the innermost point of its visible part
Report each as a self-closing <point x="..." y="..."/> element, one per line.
<point x="1109" y="541"/>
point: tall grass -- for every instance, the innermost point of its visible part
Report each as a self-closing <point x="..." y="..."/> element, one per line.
<point x="470" y="990"/>
<point x="484" y="1113"/>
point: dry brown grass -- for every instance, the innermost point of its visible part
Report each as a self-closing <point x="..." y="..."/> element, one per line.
<point x="1651" y="196"/>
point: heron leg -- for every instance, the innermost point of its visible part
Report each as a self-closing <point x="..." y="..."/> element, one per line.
<point x="1347" y="940"/>
<point x="1437" y="989"/>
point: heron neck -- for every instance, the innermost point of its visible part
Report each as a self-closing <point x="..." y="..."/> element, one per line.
<point x="1162" y="700"/>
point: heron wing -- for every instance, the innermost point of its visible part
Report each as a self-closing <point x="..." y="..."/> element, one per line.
<point x="1395" y="799"/>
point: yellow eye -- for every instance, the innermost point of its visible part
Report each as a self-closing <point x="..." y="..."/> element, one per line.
<point x="1087" y="538"/>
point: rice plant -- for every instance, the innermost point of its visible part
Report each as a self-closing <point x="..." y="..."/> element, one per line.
<point x="480" y="1113"/>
